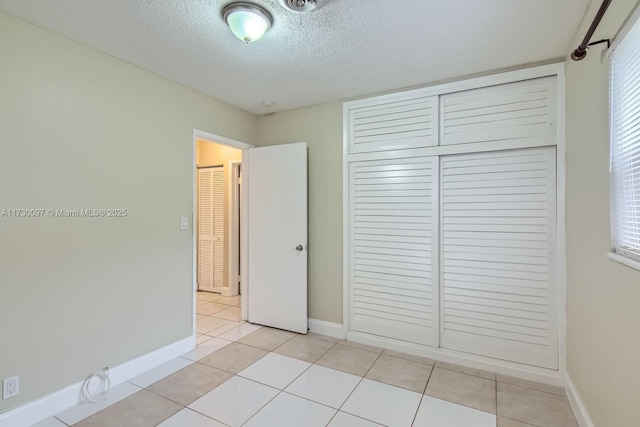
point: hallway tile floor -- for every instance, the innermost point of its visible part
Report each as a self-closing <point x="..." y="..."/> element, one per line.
<point x="246" y="375"/>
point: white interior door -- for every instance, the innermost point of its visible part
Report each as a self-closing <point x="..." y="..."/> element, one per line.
<point x="277" y="247"/>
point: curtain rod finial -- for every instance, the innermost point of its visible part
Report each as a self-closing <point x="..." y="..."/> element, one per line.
<point x="578" y="54"/>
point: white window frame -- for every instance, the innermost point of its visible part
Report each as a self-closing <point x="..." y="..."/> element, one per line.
<point x="628" y="255"/>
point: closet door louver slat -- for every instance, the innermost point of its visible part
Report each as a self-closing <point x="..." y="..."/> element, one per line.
<point x="521" y="110"/>
<point x="402" y="123"/>
<point x="498" y="263"/>
<point x="393" y="248"/>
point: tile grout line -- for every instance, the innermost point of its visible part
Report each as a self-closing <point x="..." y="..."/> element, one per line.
<point x="137" y="391"/>
<point x="409" y="359"/>
<point x="280" y="391"/>
<point x="397" y="386"/>
<point x="423" y="394"/>
<point x="382" y="382"/>
<point x="311" y="364"/>
<point x="417" y="410"/>
<point x="205" y="415"/>
<point x="349" y="396"/>
<point x="467" y="373"/>
<point x="353" y="415"/>
<point x="100" y="401"/>
<point x="374" y="362"/>
<point x="240" y="323"/>
<point x="283" y="390"/>
<point x="433" y="367"/>
<point x="204" y="364"/>
<point x="167" y="376"/>
<point x="535" y="389"/>
<point x="518" y="421"/>
<point x="462" y="404"/>
<point x="60" y="420"/>
<point x="260" y="348"/>
<point x="357" y="385"/>
<point x="234" y="374"/>
<point x="170" y="400"/>
<point x="187" y="406"/>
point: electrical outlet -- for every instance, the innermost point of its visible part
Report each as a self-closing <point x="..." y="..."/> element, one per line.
<point x="10" y="387"/>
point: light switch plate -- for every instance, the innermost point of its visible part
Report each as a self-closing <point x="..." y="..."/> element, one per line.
<point x="184" y="223"/>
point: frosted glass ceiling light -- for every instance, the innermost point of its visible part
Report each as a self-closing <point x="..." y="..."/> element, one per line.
<point x="247" y="21"/>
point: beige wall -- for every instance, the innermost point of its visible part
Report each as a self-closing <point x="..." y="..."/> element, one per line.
<point x="603" y="296"/>
<point x="211" y="154"/>
<point x="321" y="127"/>
<point x="76" y="130"/>
<point x="80" y="129"/>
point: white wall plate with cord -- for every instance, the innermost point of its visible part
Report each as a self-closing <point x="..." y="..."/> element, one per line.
<point x="96" y="387"/>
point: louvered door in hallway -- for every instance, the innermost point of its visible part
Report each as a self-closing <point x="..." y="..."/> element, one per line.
<point x="210" y="228"/>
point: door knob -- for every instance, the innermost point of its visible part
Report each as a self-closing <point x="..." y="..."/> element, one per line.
<point x="299" y="248"/>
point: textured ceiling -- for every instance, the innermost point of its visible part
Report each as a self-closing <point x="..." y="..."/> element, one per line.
<point x="342" y="49"/>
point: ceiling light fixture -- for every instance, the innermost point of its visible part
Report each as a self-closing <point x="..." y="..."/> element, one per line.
<point x="247" y="21"/>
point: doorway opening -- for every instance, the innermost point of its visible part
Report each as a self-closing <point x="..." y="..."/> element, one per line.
<point x="272" y="184"/>
<point x="217" y="232"/>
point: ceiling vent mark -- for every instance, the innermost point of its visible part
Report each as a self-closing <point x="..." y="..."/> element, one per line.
<point x="300" y="5"/>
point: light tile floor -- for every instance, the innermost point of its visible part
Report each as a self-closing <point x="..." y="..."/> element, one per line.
<point x="246" y="375"/>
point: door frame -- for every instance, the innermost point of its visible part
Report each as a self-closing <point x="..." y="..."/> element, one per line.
<point x="234" y="203"/>
<point x="218" y="139"/>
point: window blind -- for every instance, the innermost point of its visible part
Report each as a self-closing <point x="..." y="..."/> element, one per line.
<point x="625" y="145"/>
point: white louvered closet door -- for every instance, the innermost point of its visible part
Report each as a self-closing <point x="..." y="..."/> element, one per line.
<point x="393" y="248"/>
<point x="205" y="229"/>
<point x="218" y="228"/>
<point x="498" y="261"/>
<point x="210" y="228"/>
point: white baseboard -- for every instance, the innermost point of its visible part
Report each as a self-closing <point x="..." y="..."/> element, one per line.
<point x="335" y="330"/>
<point x="49" y="405"/>
<point x="579" y="409"/>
